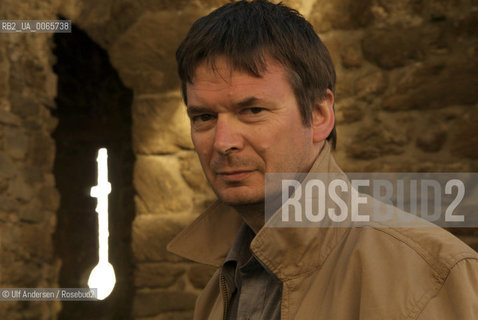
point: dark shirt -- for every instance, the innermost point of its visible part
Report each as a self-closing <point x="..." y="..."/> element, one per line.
<point x="255" y="292"/>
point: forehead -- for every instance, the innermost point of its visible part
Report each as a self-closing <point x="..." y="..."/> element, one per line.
<point x="222" y="79"/>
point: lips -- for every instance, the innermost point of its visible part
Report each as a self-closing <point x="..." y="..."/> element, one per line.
<point x="235" y="176"/>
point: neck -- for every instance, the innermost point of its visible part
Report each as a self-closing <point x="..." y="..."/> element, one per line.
<point x="252" y="214"/>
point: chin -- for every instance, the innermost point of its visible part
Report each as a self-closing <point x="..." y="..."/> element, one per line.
<point x="240" y="199"/>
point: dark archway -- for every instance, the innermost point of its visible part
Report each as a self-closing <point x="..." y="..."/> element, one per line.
<point x="93" y="111"/>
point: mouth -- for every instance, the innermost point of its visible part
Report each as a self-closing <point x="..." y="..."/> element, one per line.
<point x="234" y="176"/>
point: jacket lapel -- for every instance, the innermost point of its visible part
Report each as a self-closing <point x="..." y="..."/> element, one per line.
<point x="208" y="239"/>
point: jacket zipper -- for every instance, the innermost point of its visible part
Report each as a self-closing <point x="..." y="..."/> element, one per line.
<point x="225" y="296"/>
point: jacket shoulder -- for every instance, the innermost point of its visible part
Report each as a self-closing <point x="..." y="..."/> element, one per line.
<point x="440" y="249"/>
<point x="424" y="266"/>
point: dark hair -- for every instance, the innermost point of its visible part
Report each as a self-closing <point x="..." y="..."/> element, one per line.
<point x="245" y="33"/>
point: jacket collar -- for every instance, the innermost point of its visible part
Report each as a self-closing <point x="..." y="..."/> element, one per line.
<point x="286" y="252"/>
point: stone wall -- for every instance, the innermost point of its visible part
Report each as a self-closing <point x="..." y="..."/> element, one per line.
<point x="406" y="72"/>
<point x="28" y="197"/>
<point x="406" y="101"/>
<point x="405" y="91"/>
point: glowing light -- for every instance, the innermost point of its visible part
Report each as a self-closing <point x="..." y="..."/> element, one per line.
<point x="102" y="276"/>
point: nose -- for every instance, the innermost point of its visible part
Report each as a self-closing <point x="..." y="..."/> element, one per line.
<point x="228" y="135"/>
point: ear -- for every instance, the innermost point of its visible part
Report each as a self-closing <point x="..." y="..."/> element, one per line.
<point x="323" y="117"/>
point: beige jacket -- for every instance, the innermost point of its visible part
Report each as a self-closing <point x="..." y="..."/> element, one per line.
<point x="342" y="273"/>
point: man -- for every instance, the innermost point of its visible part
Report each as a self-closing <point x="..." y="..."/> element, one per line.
<point x="259" y="88"/>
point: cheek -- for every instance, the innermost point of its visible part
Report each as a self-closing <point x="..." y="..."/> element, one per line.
<point x="290" y="145"/>
<point x="262" y="138"/>
<point x="200" y="142"/>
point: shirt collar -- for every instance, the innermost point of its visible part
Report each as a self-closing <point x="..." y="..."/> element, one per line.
<point x="238" y="256"/>
<point x="239" y="251"/>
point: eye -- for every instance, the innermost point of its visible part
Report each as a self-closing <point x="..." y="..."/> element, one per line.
<point x="203" y="121"/>
<point x="254" y="110"/>
<point x="202" y="117"/>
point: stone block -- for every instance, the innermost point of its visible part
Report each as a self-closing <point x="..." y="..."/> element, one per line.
<point x="351" y="56"/>
<point x="464" y="140"/>
<point x="49" y="123"/>
<point x="31" y="124"/>
<point x="37" y="241"/>
<point x="16" y="142"/>
<point x="154" y="275"/>
<point x="212" y="4"/>
<point x="151" y="234"/>
<point x="20" y="190"/>
<point x="7" y="168"/>
<point x="29" y="241"/>
<point x="465" y="24"/>
<point x="334" y="46"/>
<point x="105" y="21"/>
<point x="160" y="186"/>
<point x="4" y="104"/>
<point x="50" y="198"/>
<point x="153" y="5"/>
<point x="32" y="212"/>
<point x="192" y="172"/>
<point x="371" y="84"/>
<point x="431" y="139"/>
<point x="145" y="54"/>
<point x="9" y="204"/>
<point x="348" y="111"/>
<point x="346" y="86"/>
<point x="435" y="85"/>
<point x="29" y="10"/>
<point x="341" y="14"/>
<point x="9" y="118"/>
<point x="95" y="17"/>
<point x="23" y="106"/>
<point x="3" y="184"/>
<point x="4" y="73"/>
<point x="160" y="124"/>
<point x="49" y="179"/>
<point x="160" y="301"/>
<point x="199" y="275"/>
<point x="33" y="175"/>
<point x="32" y="66"/>
<point x="393" y="47"/>
<point x="21" y="274"/>
<point x="434" y="166"/>
<point x="373" y="140"/>
<point x="41" y="151"/>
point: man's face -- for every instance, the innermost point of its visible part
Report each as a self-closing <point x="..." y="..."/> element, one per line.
<point x="243" y="127"/>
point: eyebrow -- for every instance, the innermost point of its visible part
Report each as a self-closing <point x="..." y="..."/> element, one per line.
<point x="192" y="110"/>
<point x="248" y="102"/>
